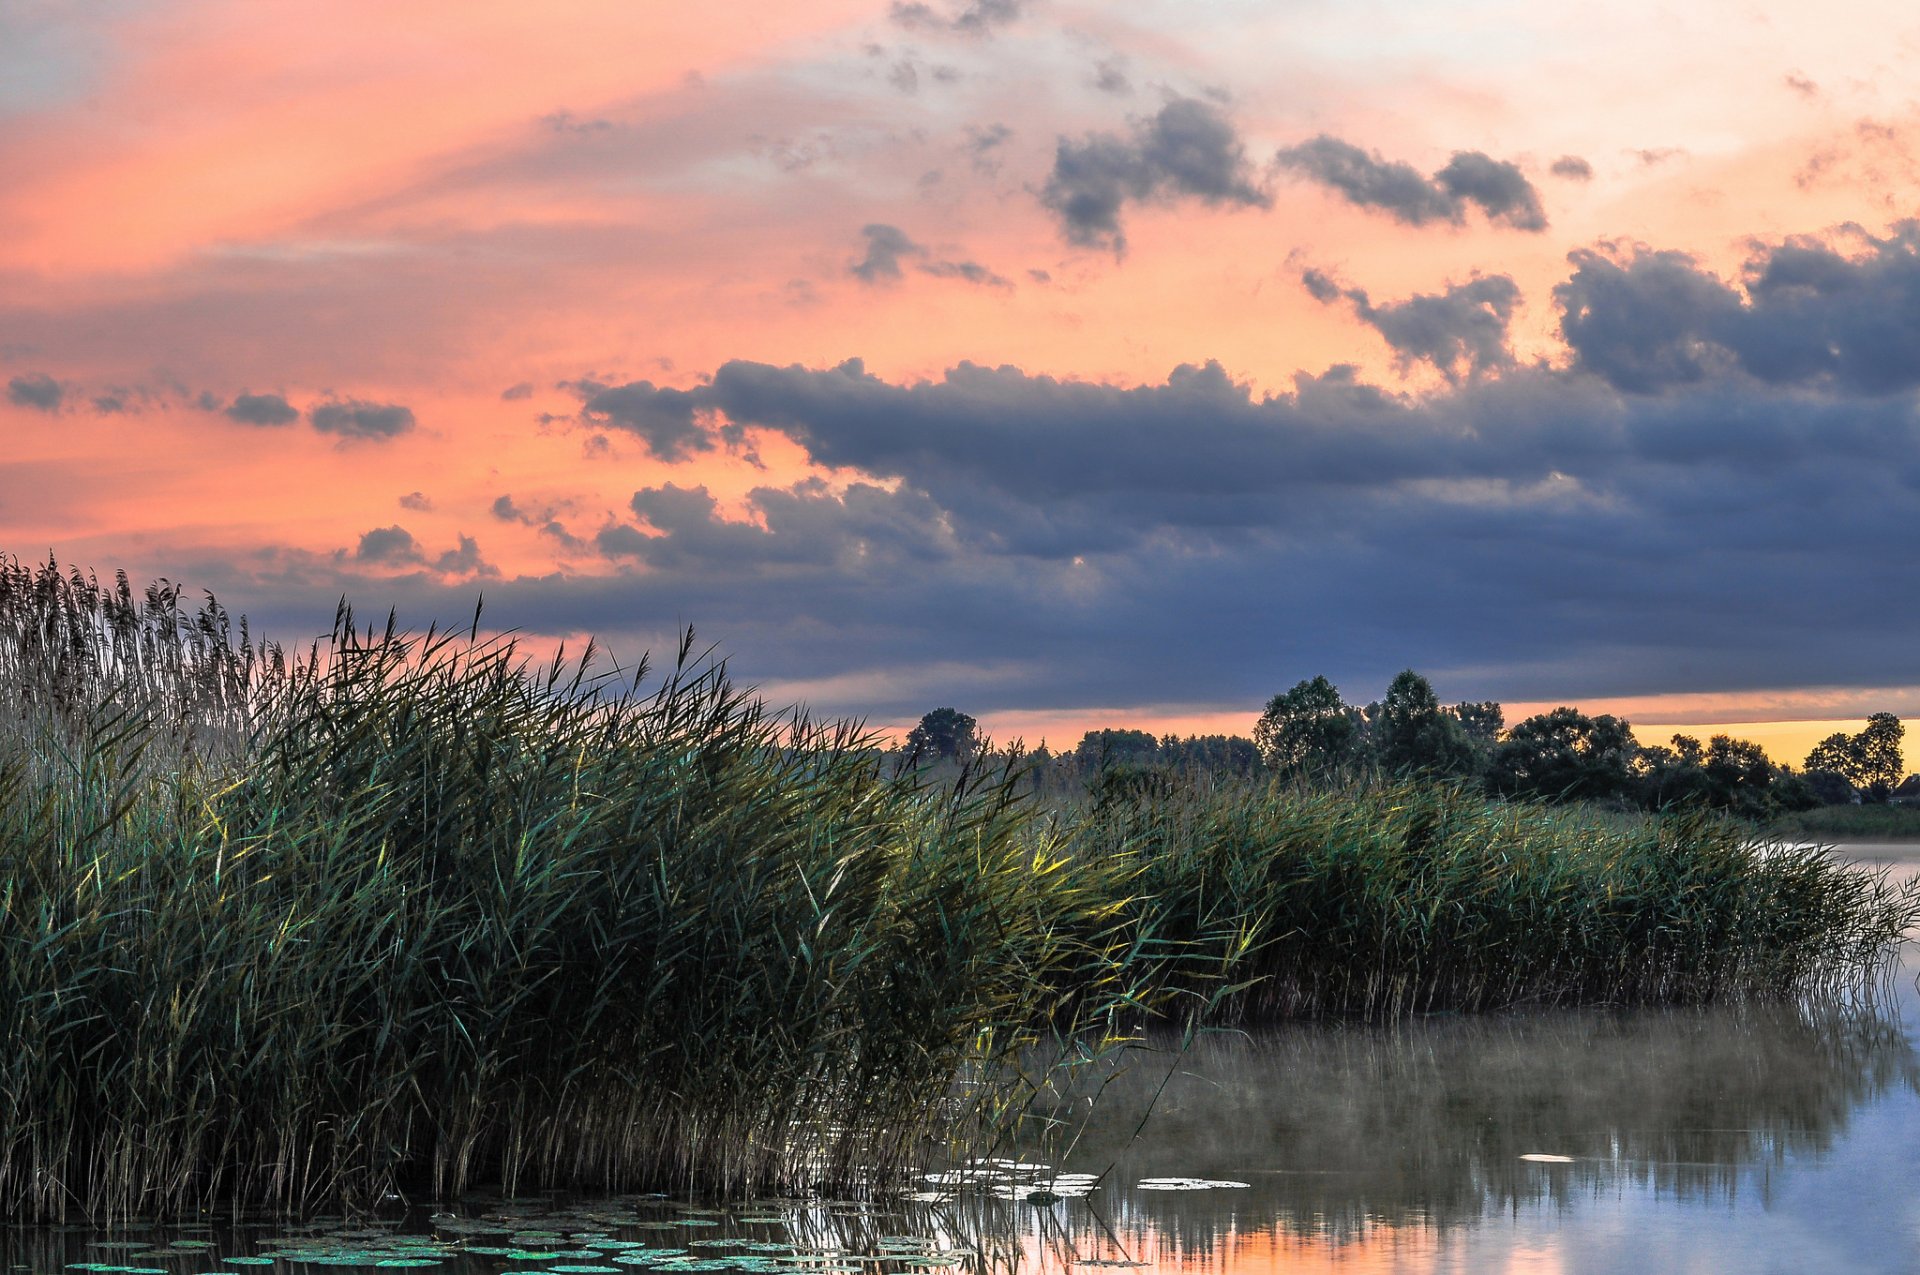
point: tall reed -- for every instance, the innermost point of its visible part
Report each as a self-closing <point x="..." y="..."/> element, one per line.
<point x="1407" y="897"/>
<point x="421" y="914"/>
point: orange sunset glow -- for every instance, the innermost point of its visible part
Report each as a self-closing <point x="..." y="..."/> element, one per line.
<point x="1080" y="365"/>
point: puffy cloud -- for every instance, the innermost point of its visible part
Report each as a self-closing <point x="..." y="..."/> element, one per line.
<point x="36" y="390"/>
<point x="1188" y="148"/>
<point x="1461" y="331"/>
<point x="1368" y="180"/>
<point x="1572" y="167"/>
<point x="417" y="501"/>
<point x="262" y="409"/>
<point x="661" y="418"/>
<point x="1807" y="314"/>
<point x="387" y="546"/>
<point x="517" y="393"/>
<point x="351" y="418"/>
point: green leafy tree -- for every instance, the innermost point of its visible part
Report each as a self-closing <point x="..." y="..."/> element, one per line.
<point x="1565" y="755"/>
<point x="945" y="734"/>
<point x="1415" y="735"/>
<point x="1310" y="732"/>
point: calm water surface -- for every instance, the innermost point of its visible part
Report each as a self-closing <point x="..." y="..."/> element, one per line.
<point x="1731" y="1140"/>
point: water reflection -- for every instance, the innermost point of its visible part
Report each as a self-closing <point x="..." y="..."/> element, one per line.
<point x="1428" y="1122"/>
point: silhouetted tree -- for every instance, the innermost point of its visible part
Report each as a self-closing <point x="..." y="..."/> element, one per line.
<point x="1101" y="749"/>
<point x="1740" y="777"/>
<point x="1870" y="760"/>
<point x="1565" y="754"/>
<point x="1211" y="754"/>
<point x="1414" y="735"/>
<point x="945" y="733"/>
<point x="1310" y="731"/>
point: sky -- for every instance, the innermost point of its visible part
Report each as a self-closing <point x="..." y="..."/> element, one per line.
<point x="1071" y="364"/>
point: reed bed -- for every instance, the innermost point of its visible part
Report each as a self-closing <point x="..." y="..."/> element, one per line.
<point x="1384" y="900"/>
<point x="408" y="913"/>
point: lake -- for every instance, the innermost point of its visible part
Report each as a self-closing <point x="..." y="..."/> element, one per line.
<point x="1733" y="1139"/>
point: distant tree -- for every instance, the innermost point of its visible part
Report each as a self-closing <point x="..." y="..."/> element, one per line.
<point x="1212" y="754"/>
<point x="1482" y="720"/>
<point x="1670" y="775"/>
<point x="1740" y="777"/>
<point x="1310" y="731"/>
<point x="1870" y="761"/>
<point x="1565" y="755"/>
<point x="1828" y="787"/>
<point x="945" y="733"/>
<point x="1414" y="735"/>
<point x="1881" y="762"/>
<point x="1101" y="749"/>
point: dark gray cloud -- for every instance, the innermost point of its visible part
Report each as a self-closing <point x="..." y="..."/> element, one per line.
<point x="888" y="246"/>
<point x="388" y="546"/>
<point x="1462" y="331"/>
<point x="1653" y="517"/>
<point x="262" y="409"/>
<point x="1806" y="314"/>
<point x="516" y="393"/>
<point x="1497" y="185"/>
<point x="36" y="390"/>
<point x="395" y="546"/>
<point x="110" y="404"/>
<point x="416" y="500"/>
<point x="1540" y="534"/>
<point x="464" y="559"/>
<point x="1188" y="148"/>
<point x="661" y="418"/>
<point x="1367" y="180"/>
<point x="977" y="17"/>
<point x="1572" y="167"/>
<point x="545" y="521"/>
<point x="351" y="418"/>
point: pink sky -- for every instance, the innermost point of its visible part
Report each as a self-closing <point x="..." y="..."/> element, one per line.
<point x="429" y="205"/>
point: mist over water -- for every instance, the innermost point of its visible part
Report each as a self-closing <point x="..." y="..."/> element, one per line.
<point x="1732" y="1138"/>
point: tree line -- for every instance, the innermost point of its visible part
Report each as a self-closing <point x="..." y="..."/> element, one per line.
<point x="1311" y="734"/>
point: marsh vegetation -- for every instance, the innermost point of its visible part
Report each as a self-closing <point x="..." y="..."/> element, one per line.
<point x="407" y="912"/>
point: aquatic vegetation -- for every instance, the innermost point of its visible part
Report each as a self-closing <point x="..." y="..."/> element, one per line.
<point x="1410" y="897"/>
<point x="409" y="912"/>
